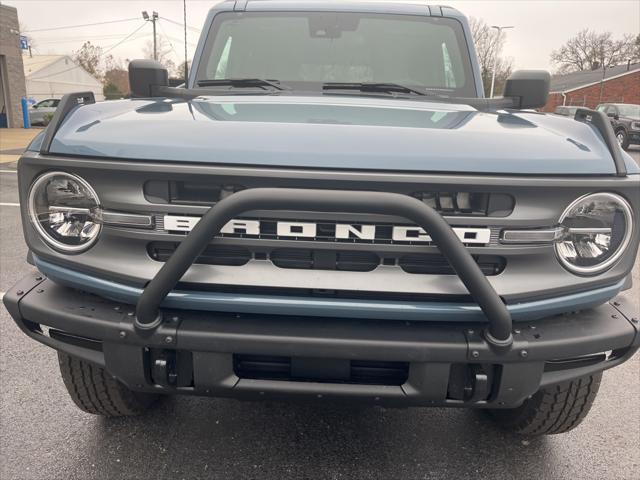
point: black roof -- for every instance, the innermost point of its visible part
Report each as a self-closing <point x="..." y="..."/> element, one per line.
<point x="571" y="81"/>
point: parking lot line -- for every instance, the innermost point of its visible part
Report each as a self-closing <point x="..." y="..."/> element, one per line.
<point x="9" y="204"/>
<point x="8" y="171"/>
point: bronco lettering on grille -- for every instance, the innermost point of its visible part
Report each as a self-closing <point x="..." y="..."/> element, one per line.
<point x="328" y="231"/>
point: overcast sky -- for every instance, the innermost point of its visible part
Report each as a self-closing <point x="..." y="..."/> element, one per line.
<point x="540" y="25"/>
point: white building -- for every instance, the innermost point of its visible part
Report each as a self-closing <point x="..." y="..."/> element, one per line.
<point x="51" y="76"/>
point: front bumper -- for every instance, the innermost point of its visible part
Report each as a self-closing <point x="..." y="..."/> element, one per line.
<point x="195" y="352"/>
<point x="634" y="136"/>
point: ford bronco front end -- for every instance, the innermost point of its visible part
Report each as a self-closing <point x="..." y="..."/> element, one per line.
<point x="328" y="210"/>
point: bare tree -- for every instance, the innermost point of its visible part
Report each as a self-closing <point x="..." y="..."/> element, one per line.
<point x="183" y="69"/>
<point x="164" y="49"/>
<point x="89" y="57"/>
<point x="487" y="43"/>
<point x="589" y="50"/>
<point x="115" y="79"/>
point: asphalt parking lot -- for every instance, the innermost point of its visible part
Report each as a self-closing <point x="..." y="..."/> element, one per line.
<point x="44" y="436"/>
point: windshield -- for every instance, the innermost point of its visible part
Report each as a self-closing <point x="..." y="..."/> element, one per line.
<point x="629" y="110"/>
<point x="307" y="50"/>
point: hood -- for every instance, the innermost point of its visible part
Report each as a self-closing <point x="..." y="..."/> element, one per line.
<point x="362" y="133"/>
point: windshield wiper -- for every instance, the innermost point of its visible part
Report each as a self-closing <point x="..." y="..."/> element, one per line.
<point x="240" y="83"/>
<point x="372" y="87"/>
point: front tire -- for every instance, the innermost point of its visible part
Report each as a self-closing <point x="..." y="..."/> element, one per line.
<point x="94" y="391"/>
<point x="553" y="409"/>
<point x="623" y="139"/>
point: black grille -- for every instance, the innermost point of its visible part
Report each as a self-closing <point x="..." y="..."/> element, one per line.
<point x="435" y="264"/>
<point x="468" y="203"/>
<point x="324" y="260"/>
<point x="451" y="203"/>
<point x="361" y="372"/>
<point x="218" y="255"/>
<point x="312" y="259"/>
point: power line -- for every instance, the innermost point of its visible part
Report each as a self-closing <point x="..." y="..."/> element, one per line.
<point x="80" y="26"/>
<point x="130" y="38"/>
<point x="181" y="25"/>
<point x="168" y="39"/>
<point x="100" y="56"/>
<point x="54" y="40"/>
<point x="179" y="40"/>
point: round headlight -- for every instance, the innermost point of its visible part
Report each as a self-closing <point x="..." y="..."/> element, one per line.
<point x="597" y="230"/>
<point x="65" y="211"/>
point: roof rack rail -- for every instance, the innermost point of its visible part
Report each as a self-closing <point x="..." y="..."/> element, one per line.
<point x="601" y="122"/>
<point x="67" y="103"/>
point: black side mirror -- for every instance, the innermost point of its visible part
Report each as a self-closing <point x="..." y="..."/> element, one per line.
<point x="530" y="88"/>
<point x="613" y="115"/>
<point x="145" y="76"/>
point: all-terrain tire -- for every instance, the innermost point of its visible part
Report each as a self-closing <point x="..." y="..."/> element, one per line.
<point x="623" y="138"/>
<point x="95" y="391"/>
<point x="553" y="409"/>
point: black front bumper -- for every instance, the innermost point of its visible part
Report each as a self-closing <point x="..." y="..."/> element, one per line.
<point x="256" y="356"/>
<point x="634" y="137"/>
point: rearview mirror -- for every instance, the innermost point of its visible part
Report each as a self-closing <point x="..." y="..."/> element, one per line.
<point x="530" y="88"/>
<point x="145" y="76"/>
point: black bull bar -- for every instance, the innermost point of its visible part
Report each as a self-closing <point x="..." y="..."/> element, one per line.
<point x="498" y="333"/>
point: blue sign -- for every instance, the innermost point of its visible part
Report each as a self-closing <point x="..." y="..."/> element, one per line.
<point x="24" y="42"/>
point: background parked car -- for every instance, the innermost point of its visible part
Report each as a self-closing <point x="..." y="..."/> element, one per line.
<point x="41" y="112"/>
<point x="565" y="111"/>
<point x="625" y="118"/>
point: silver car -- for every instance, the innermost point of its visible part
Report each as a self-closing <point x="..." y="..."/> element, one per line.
<point x="40" y="113"/>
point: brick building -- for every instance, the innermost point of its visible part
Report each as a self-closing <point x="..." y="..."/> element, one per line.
<point x="12" y="84"/>
<point x="621" y="84"/>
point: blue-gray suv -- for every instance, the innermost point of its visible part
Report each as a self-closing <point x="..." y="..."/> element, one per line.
<point x="330" y="209"/>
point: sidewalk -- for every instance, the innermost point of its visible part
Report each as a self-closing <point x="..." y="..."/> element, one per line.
<point x="13" y="141"/>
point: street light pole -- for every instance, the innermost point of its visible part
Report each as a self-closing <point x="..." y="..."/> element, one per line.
<point x="153" y="19"/>
<point x="495" y="54"/>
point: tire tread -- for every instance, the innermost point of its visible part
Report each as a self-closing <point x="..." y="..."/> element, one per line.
<point x="554" y="409"/>
<point x="94" y="391"/>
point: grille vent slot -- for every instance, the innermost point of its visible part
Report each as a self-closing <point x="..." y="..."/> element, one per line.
<point x="358" y="372"/>
<point x="218" y="255"/>
<point x="197" y="192"/>
<point x="435" y="264"/>
<point x="312" y="259"/>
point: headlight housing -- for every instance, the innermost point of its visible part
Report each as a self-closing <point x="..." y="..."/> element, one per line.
<point x="597" y="230"/>
<point x="65" y="211"/>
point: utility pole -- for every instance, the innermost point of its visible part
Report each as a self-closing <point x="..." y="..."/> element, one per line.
<point x="153" y="19"/>
<point x="495" y="54"/>
<point x="186" y="63"/>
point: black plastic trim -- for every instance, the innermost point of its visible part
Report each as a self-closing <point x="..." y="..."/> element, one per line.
<point x="67" y="103"/>
<point x="500" y="323"/>
<point x="601" y="122"/>
<point x="432" y="350"/>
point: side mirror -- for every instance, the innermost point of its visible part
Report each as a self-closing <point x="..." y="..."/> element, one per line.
<point x="613" y="115"/>
<point x="145" y="76"/>
<point x="530" y="88"/>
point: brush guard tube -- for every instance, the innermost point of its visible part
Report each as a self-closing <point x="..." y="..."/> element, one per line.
<point x="498" y="334"/>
